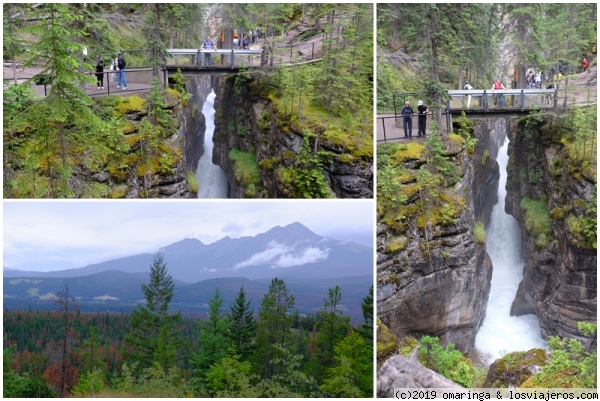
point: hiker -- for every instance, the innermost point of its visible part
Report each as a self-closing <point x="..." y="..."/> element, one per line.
<point x="407" y="113"/>
<point x="245" y="42"/>
<point x="208" y="45"/>
<point x="100" y="72"/>
<point x="468" y="87"/>
<point x="121" y="64"/>
<point x="422" y="120"/>
<point x="585" y="64"/>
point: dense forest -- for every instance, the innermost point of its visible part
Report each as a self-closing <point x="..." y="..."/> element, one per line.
<point x="70" y="145"/>
<point x="440" y="46"/>
<point x="269" y="351"/>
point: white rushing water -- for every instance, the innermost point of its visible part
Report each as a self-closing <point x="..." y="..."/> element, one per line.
<point x="501" y="333"/>
<point x="212" y="179"/>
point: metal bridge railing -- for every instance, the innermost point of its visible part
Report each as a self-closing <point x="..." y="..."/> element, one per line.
<point x="501" y="99"/>
<point x="197" y="57"/>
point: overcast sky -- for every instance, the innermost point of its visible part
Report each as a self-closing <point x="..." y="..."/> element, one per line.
<point x="54" y="235"/>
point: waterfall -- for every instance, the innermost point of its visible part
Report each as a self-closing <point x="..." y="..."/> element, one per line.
<point x="211" y="178"/>
<point x="501" y="333"/>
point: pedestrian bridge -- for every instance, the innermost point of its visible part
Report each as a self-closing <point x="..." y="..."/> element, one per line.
<point x="483" y="103"/>
<point x="503" y="101"/>
<point x="224" y="60"/>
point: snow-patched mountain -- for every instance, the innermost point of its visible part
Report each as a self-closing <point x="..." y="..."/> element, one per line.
<point x="290" y="251"/>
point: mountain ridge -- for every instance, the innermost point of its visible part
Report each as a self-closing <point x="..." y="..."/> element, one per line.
<point x="291" y="250"/>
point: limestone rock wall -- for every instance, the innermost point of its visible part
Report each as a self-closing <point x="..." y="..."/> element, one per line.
<point x="442" y="288"/>
<point x="560" y="273"/>
<point x="249" y="123"/>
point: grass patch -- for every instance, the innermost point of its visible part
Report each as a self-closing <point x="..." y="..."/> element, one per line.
<point x="396" y="244"/>
<point x="537" y="220"/>
<point x="192" y="182"/>
<point x="479" y="232"/>
<point x="245" y="168"/>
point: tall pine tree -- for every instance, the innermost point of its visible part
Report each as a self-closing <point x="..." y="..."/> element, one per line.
<point x="274" y="328"/>
<point x="154" y="336"/>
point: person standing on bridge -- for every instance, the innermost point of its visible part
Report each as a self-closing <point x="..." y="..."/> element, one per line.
<point x="468" y="87"/>
<point x="407" y="113"/>
<point x="422" y="121"/>
<point x="208" y="45"/>
<point x="498" y="98"/>
<point x="100" y="72"/>
<point x="121" y="64"/>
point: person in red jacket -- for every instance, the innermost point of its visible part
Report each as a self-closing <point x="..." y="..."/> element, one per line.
<point x="585" y="64"/>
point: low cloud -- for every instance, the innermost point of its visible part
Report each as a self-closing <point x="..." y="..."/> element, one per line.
<point x="282" y="256"/>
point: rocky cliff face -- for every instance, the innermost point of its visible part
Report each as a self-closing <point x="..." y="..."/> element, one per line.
<point x="156" y="168"/>
<point x="194" y="124"/>
<point x="438" y="282"/>
<point x="550" y="195"/>
<point x="268" y="155"/>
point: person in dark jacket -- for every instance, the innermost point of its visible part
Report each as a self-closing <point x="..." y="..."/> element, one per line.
<point x="407" y="113"/>
<point x="422" y="111"/>
<point x="121" y="64"/>
<point x="100" y="72"/>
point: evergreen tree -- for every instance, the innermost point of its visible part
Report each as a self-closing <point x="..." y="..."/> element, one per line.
<point x="154" y="336"/>
<point x="352" y="375"/>
<point x="215" y="342"/>
<point x="331" y="327"/>
<point x="66" y="307"/>
<point x="243" y="326"/>
<point x="366" y="328"/>
<point x="59" y="132"/>
<point x="274" y="328"/>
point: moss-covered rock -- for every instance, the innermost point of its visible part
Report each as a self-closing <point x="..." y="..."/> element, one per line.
<point x="386" y="341"/>
<point x="515" y="368"/>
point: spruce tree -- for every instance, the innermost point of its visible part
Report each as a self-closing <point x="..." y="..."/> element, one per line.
<point x="366" y="328"/>
<point x="215" y="342"/>
<point x="154" y="336"/>
<point x="243" y="326"/>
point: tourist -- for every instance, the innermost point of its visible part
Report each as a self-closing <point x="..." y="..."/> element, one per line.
<point x="422" y="111"/>
<point x="245" y="42"/>
<point x="498" y="99"/>
<point x="100" y="72"/>
<point x="208" y="45"/>
<point x="113" y="69"/>
<point x="585" y="64"/>
<point x="121" y="64"/>
<point x="468" y="87"/>
<point x="407" y="113"/>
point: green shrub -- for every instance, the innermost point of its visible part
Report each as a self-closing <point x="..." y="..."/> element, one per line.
<point x="448" y="361"/>
<point x="570" y="365"/>
<point x="90" y="383"/>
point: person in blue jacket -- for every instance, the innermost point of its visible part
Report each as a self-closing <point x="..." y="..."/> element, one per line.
<point x="407" y="113"/>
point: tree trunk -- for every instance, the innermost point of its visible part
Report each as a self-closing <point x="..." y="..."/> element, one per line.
<point x="395" y="24"/>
